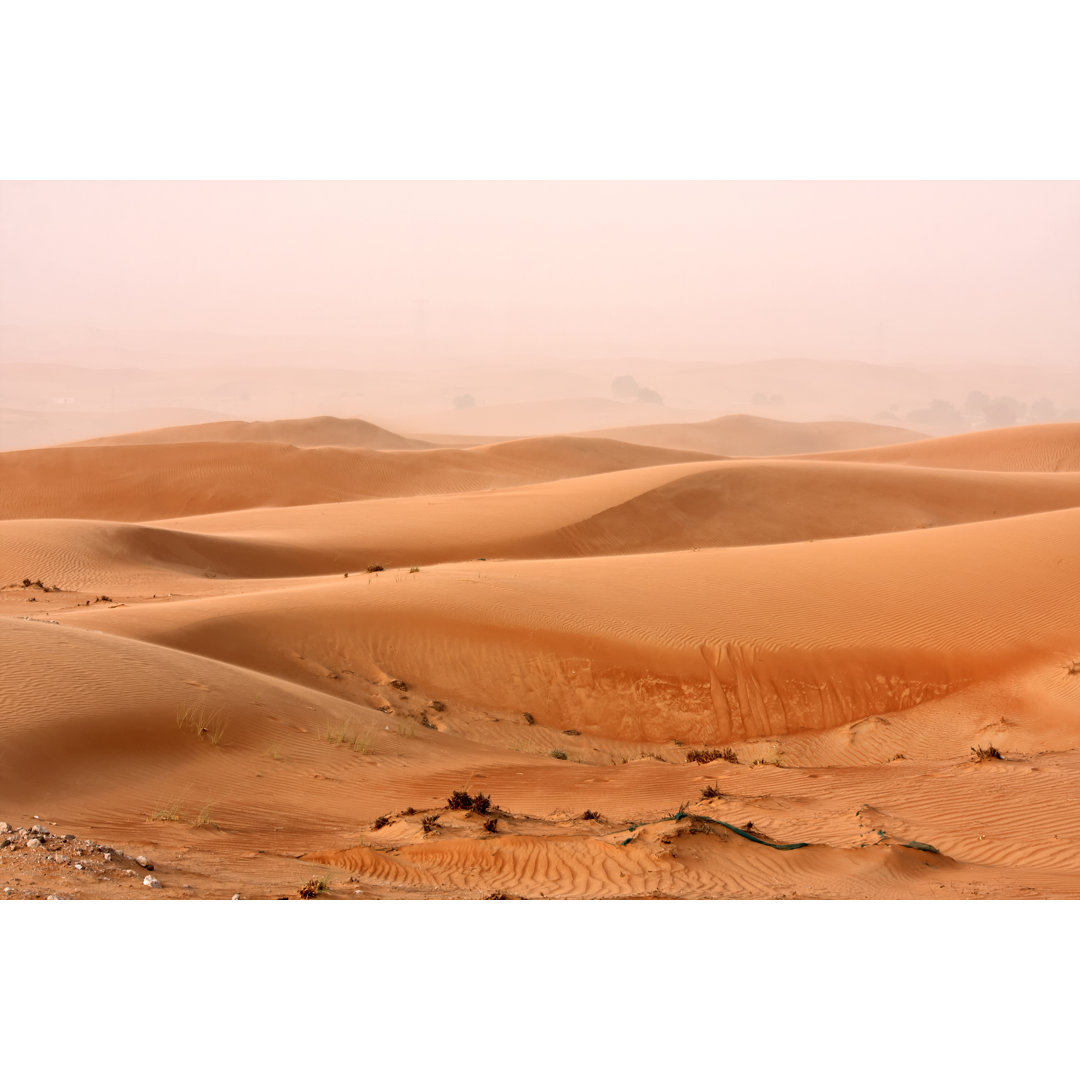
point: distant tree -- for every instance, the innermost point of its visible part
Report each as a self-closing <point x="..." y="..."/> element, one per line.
<point x="975" y="403"/>
<point x="624" y="386"/>
<point x="938" y="416"/>
<point x="648" y="396"/>
<point x="1042" y="411"/>
<point x="1002" y="412"/>
<point x="464" y="401"/>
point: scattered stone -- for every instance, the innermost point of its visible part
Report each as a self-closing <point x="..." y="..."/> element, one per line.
<point x="52" y="896"/>
<point x="236" y="895"/>
<point x="151" y="882"/>
<point x="78" y="866"/>
<point x="35" y="842"/>
<point x="39" y="830"/>
<point x="108" y="856"/>
<point x="67" y="836"/>
<point x="142" y="860"/>
<point x="5" y="827"/>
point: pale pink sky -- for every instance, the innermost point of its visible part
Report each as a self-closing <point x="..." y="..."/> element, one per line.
<point x="730" y="270"/>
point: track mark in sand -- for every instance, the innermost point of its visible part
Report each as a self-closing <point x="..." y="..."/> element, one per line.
<point x="758" y="692"/>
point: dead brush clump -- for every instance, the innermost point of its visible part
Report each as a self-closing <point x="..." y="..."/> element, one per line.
<point x="590" y="815"/>
<point x="374" y="568"/>
<point x="311" y="888"/>
<point x="986" y="753"/>
<point x="380" y="823"/>
<point x="491" y="825"/>
<point x="430" y="823"/>
<point x="462" y="800"/>
<point x="707" y="755"/>
<point x="711" y="791"/>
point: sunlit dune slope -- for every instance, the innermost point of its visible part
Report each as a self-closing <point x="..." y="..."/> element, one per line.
<point x="756" y="436"/>
<point x="139" y="483"/>
<point x="702" y="645"/>
<point x="312" y="431"/>
<point x="662" y="508"/>
<point x="1031" y="448"/>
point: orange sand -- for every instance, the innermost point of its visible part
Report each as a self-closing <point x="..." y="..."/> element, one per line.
<point x="218" y="681"/>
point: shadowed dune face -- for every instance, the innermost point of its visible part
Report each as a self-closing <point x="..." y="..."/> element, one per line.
<point x="148" y="482"/>
<point x="180" y="639"/>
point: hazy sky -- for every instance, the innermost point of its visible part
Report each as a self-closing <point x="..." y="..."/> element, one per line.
<point x="731" y="270"/>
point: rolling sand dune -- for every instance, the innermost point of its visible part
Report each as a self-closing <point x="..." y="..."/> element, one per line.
<point x="186" y="670"/>
<point x="150" y="482"/>
<point x="1032" y="448"/>
<point x="755" y="436"/>
<point x="314" y="431"/>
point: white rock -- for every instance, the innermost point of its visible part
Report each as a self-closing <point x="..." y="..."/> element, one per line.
<point x="33" y="842"/>
<point x="236" y="896"/>
<point x="5" y="827"/>
<point x="108" y="856"/>
<point x="78" y="866"/>
<point x="142" y="860"/>
<point x="52" y="897"/>
<point x="151" y="882"/>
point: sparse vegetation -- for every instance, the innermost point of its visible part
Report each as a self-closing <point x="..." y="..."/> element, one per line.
<point x="590" y="815"/>
<point x="560" y="754"/>
<point x="374" y="568"/>
<point x="380" y="823"/>
<point x="205" y="723"/>
<point x="311" y="888"/>
<point x="430" y="823"/>
<point x="462" y="800"/>
<point x="711" y="791"/>
<point x="169" y="812"/>
<point x="408" y="811"/>
<point x="571" y="731"/>
<point x="704" y="756"/>
<point x="204" y="820"/>
<point x="491" y="825"/>
<point x="528" y="718"/>
<point x="438" y="706"/>
<point x="985" y="753"/>
<point x="414" y="569"/>
<point x="425" y="722"/>
<point x="399" y="684"/>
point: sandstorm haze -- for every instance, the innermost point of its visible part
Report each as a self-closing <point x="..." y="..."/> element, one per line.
<point x="132" y="304"/>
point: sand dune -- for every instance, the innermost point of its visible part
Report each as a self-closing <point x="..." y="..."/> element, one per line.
<point x="22" y="429"/>
<point x="206" y="683"/>
<point x="755" y="436"/>
<point x="313" y="431"/>
<point x="1031" y="448"/>
<point x="708" y="645"/>
<point x="128" y="483"/>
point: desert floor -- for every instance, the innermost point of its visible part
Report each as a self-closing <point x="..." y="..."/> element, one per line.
<point x="263" y="655"/>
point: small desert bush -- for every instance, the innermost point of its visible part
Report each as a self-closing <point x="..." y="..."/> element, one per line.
<point x="203" y="819"/>
<point x="560" y="754"/>
<point x="492" y="824"/>
<point x="528" y="718"/>
<point x="462" y="800"/>
<point x="168" y="812"/>
<point x="711" y="792"/>
<point x="205" y="723"/>
<point x="984" y="753"/>
<point x="310" y="889"/>
<point x="430" y="823"/>
<point x="380" y="823"/>
<point x="374" y="568"/>
<point x="703" y="757"/>
<point x="590" y="815"/>
<point x="425" y="722"/>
